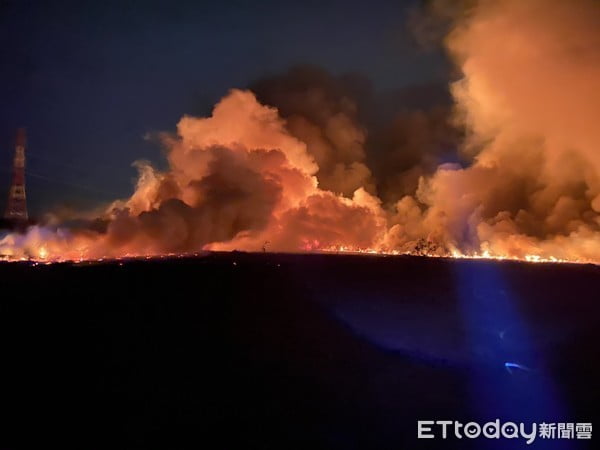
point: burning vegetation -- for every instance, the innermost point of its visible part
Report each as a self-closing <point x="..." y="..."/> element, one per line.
<point x="295" y="168"/>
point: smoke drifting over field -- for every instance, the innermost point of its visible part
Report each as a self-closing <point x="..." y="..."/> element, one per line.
<point x="512" y="170"/>
<point x="529" y="99"/>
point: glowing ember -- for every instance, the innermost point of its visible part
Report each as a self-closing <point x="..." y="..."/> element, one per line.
<point x="43" y="253"/>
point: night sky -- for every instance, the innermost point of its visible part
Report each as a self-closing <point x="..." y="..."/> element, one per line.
<point x="90" y="79"/>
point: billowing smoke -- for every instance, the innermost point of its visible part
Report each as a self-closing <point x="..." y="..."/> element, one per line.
<point x="529" y="100"/>
<point x="236" y="180"/>
<point x="514" y="171"/>
<point x="322" y="111"/>
<point x="382" y="142"/>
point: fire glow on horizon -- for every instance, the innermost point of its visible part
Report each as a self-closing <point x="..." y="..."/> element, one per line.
<point x="42" y="256"/>
<point x="249" y="178"/>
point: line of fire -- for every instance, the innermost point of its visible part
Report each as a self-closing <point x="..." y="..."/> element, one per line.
<point x="17" y="220"/>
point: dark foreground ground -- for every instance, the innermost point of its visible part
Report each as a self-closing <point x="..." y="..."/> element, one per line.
<point x="268" y="351"/>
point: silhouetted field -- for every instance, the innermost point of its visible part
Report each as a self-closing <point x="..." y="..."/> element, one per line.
<point x="277" y="351"/>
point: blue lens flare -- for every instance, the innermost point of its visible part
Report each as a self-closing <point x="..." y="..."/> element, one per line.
<point x="520" y="389"/>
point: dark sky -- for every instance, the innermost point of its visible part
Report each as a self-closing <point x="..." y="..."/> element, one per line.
<point x="90" y="78"/>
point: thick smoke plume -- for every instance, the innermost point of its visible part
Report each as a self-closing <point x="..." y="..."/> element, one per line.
<point x="514" y="171"/>
<point x="236" y="180"/>
<point x="529" y="99"/>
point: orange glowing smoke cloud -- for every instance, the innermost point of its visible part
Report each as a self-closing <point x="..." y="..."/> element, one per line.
<point x="244" y="178"/>
<point x="530" y="102"/>
<point x="236" y="180"/>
